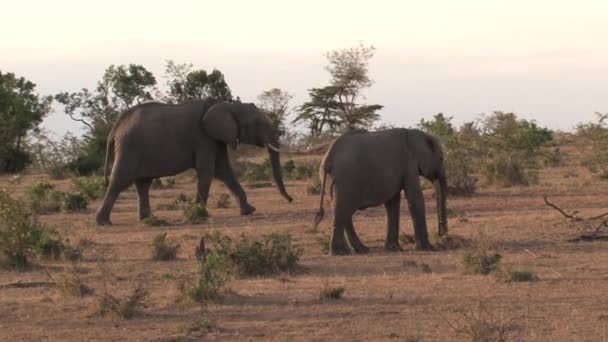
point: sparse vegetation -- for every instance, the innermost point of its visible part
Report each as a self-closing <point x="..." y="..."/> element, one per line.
<point x="331" y="293"/>
<point x="483" y="325"/>
<point x="43" y="198"/>
<point x="70" y="283"/>
<point x="163" y="250"/>
<point x="92" y="187"/>
<point x="74" y="201"/>
<point x="125" y="307"/>
<point x="20" y="232"/>
<point x="223" y="201"/>
<point x="194" y="212"/>
<point x="269" y="254"/>
<point x="481" y="257"/>
<point x="213" y="272"/>
<point x="520" y="276"/>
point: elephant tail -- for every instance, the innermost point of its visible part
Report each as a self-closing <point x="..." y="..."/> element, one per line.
<point x="321" y="211"/>
<point x="109" y="156"/>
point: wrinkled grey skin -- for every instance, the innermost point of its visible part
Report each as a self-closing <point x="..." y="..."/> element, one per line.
<point x="372" y="168"/>
<point x="155" y="139"/>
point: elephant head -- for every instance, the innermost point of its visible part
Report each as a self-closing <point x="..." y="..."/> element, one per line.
<point x="234" y="123"/>
<point x="429" y="155"/>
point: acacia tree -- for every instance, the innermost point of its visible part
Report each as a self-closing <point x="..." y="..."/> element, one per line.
<point x="120" y="88"/>
<point x="21" y="111"/>
<point x="275" y="102"/>
<point x="184" y="83"/>
<point x="320" y="113"/>
<point x="339" y="101"/>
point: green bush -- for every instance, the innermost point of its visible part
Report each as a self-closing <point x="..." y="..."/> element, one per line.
<point x="43" y="198"/>
<point x="92" y="187"/>
<point x="48" y="244"/>
<point x="270" y="254"/>
<point x="213" y="272"/>
<point x="195" y="212"/>
<point x="593" y="141"/>
<point x="20" y="232"/>
<point x="74" y="201"/>
<point x="259" y="172"/>
<point x="289" y="167"/>
<point x="163" y="250"/>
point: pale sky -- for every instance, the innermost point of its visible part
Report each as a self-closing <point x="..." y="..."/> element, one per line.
<point x="544" y="60"/>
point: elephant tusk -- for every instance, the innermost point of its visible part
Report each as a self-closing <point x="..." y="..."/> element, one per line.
<point x="272" y="147"/>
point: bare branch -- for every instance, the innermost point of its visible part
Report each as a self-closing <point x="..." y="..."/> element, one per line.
<point x="570" y="216"/>
<point x="80" y="120"/>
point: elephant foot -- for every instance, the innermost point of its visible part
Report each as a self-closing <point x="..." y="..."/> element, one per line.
<point x="361" y="248"/>
<point x="393" y="247"/>
<point x="423" y="246"/>
<point x="247" y="209"/>
<point x="340" y="251"/>
<point x="103" y="222"/>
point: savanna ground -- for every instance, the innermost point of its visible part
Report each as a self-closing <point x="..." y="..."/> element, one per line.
<point x="385" y="296"/>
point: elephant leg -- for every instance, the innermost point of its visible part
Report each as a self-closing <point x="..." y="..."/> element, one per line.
<point x="223" y="172"/>
<point x="204" y="171"/>
<point x="415" y="199"/>
<point x="342" y="216"/>
<point x="353" y="239"/>
<point x="118" y="182"/>
<point x="143" y="196"/>
<point x="392" y="223"/>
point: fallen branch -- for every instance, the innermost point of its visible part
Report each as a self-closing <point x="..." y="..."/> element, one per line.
<point x="595" y="235"/>
<point x="22" y="285"/>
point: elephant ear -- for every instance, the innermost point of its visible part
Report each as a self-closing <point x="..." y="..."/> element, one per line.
<point x="220" y="124"/>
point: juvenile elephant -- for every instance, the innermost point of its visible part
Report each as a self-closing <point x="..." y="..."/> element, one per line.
<point x="152" y="140"/>
<point x="372" y="168"/>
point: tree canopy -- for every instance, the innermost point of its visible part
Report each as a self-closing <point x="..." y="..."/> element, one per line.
<point x="21" y="111"/>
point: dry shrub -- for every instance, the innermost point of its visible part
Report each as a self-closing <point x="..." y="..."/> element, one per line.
<point x="163" y="250"/>
<point x="70" y="283"/>
<point x="125" y="307"/>
<point x="213" y="272"/>
<point x="74" y="201"/>
<point x="331" y="293"/>
<point x="154" y="221"/>
<point x="223" y="201"/>
<point x="449" y="242"/>
<point x="481" y="324"/>
<point x="481" y="257"/>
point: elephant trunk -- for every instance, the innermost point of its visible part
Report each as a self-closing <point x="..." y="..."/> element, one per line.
<point x="275" y="161"/>
<point x="440" y="195"/>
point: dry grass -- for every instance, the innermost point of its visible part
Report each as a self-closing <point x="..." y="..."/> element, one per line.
<point x="384" y="299"/>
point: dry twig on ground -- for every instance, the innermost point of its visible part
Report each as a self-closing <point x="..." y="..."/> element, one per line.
<point x="598" y="233"/>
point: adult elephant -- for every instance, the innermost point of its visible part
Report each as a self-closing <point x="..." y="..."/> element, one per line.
<point x="153" y="140"/>
<point x="372" y="168"/>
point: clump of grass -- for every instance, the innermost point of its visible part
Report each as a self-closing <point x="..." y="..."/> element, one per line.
<point x="74" y="201"/>
<point x="195" y="213"/>
<point x="449" y="241"/>
<point x="315" y="187"/>
<point x="154" y="221"/>
<point x="520" y="276"/>
<point x="223" y="201"/>
<point x="481" y="261"/>
<point x="323" y="241"/>
<point x="21" y="234"/>
<point x="331" y="293"/>
<point x="409" y="265"/>
<point x="259" y="185"/>
<point x="406" y="239"/>
<point x="269" y="254"/>
<point x="71" y="284"/>
<point x="163" y="250"/>
<point x="125" y="307"/>
<point x="92" y="187"/>
<point x="259" y="172"/>
<point x="43" y="198"/>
